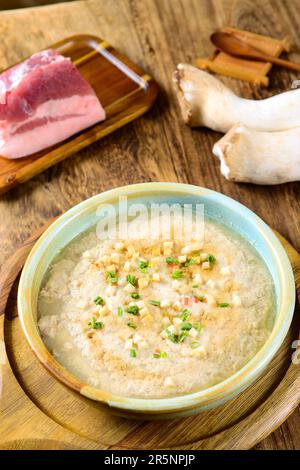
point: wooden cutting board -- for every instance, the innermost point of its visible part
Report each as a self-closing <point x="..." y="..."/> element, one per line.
<point x="38" y="412"/>
<point x="124" y="90"/>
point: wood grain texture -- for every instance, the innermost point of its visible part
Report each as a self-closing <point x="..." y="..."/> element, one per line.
<point x="238" y="424"/>
<point x="156" y="147"/>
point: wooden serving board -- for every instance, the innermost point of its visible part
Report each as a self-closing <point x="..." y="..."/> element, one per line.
<point x="124" y="90"/>
<point x="38" y="412"/>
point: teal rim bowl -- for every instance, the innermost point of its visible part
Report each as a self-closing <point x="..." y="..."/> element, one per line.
<point x="217" y="206"/>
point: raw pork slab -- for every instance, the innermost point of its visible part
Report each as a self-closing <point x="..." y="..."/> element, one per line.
<point x="43" y="101"/>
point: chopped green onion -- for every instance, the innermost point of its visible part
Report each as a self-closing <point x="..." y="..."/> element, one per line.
<point x="133" y="353"/>
<point x="184" y="314"/>
<point x="195" y="286"/>
<point x="95" y="324"/>
<point x="131" y="279"/>
<point x="223" y="305"/>
<point x="189" y="262"/>
<point x="176" y="338"/>
<point x="99" y="300"/>
<point x="154" y="302"/>
<point x="195" y="345"/>
<point x="177" y="274"/>
<point x="201" y="298"/>
<point x="132" y="325"/>
<point x="211" y="258"/>
<point x="133" y="309"/>
<point x="186" y="326"/>
<point x="144" y="265"/>
<point x="112" y="277"/>
<point x="170" y="260"/>
<point x="135" y="295"/>
<point x="182" y="336"/>
<point x="120" y="311"/>
<point x="172" y="337"/>
<point x="198" y="327"/>
<point x="161" y="355"/>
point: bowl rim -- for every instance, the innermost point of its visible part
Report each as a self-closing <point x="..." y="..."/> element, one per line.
<point x="204" y="398"/>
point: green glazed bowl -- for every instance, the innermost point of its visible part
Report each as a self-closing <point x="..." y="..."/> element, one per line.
<point x="216" y="206"/>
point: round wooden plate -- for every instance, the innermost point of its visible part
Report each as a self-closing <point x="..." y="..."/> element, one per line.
<point x="36" y="411"/>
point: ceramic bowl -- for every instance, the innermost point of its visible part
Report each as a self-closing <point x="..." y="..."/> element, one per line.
<point x="217" y="206"/>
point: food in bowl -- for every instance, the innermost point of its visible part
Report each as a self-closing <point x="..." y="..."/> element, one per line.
<point x="156" y="318"/>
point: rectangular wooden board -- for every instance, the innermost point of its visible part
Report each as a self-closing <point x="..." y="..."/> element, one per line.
<point x="242" y="69"/>
<point x="124" y="90"/>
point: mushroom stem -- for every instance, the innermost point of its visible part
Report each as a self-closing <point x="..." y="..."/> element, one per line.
<point x="250" y="156"/>
<point x="206" y="101"/>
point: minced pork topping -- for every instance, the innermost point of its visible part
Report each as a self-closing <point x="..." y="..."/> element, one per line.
<point x="156" y="318"/>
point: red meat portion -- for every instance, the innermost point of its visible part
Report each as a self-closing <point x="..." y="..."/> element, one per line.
<point x="43" y="101"/>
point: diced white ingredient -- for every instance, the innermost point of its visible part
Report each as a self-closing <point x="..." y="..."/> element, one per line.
<point x="129" y="344"/>
<point x="163" y="334"/>
<point x="127" y="266"/>
<point x="203" y="256"/>
<point x="193" y="333"/>
<point x="156" y="277"/>
<point x="104" y="311"/>
<point x="177" y="321"/>
<point x="155" y="261"/>
<point x="166" y="321"/>
<point x="143" y="282"/>
<point x="186" y="249"/>
<point x="206" y="265"/>
<point x="137" y="338"/>
<point x="225" y="271"/>
<point x="176" y="284"/>
<point x="182" y="259"/>
<point x="197" y="278"/>
<point x="165" y="303"/>
<point x="87" y="254"/>
<point x="168" y="247"/>
<point x="143" y="344"/>
<point x="211" y="283"/>
<point x="172" y="329"/>
<point x="140" y="304"/>
<point x="169" y="382"/>
<point x="236" y="300"/>
<point x="144" y="311"/>
<point x="121" y="281"/>
<point x="129" y="288"/>
<point x="110" y="291"/>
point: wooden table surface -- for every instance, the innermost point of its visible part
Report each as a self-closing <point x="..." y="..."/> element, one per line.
<point x="156" y="34"/>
